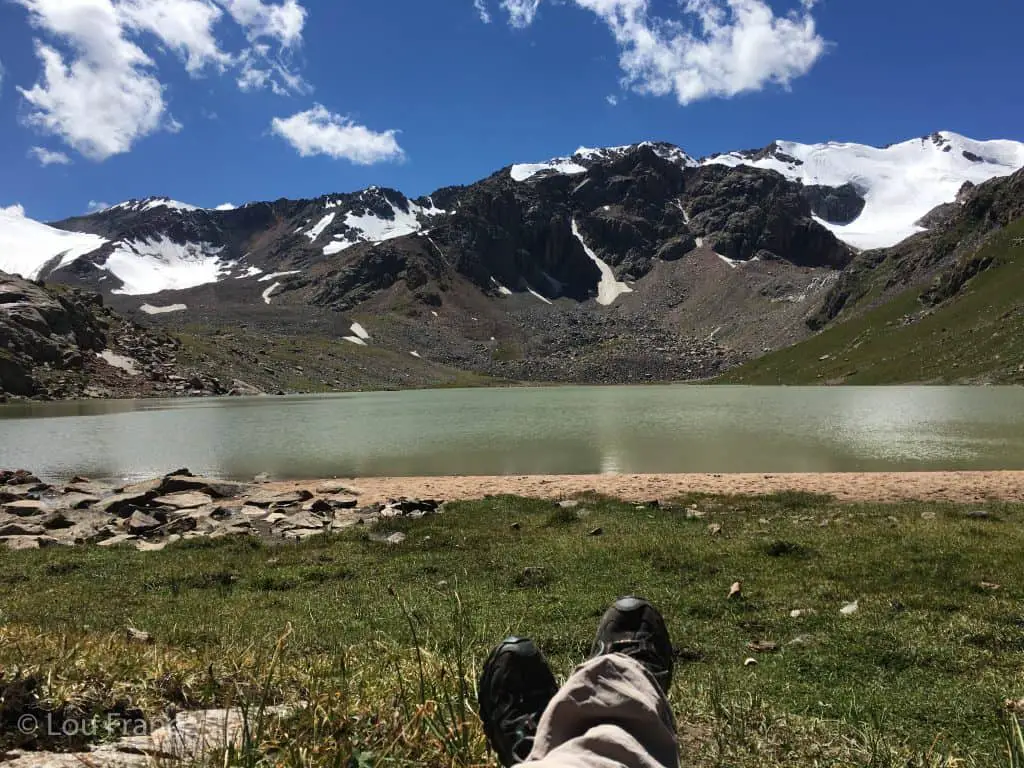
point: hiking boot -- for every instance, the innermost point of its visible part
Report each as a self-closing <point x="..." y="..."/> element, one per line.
<point x="515" y="688"/>
<point x="634" y="627"/>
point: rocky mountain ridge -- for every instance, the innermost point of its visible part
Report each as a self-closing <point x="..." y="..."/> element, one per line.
<point x="621" y="264"/>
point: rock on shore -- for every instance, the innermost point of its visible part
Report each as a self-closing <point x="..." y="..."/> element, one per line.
<point x="152" y="514"/>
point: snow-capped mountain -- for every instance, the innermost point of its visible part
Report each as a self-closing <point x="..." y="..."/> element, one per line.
<point x="899" y="184"/>
<point x="27" y="247"/>
<point x="627" y="205"/>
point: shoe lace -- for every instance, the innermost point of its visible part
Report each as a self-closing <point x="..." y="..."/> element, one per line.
<point x="642" y="648"/>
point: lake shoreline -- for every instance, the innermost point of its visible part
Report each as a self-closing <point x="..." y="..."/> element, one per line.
<point x="956" y="487"/>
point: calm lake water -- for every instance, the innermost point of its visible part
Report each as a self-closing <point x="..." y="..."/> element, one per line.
<point x="522" y="431"/>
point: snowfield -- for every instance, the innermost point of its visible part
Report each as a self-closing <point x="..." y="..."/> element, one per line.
<point x="371" y="228"/>
<point x="26" y="246"/>
<point x="900" y="183"/>
<point x="571" y="166"/>
<point x="160" y="264"/>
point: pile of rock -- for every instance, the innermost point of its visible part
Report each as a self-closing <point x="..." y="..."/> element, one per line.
<point x="152" y="514"/>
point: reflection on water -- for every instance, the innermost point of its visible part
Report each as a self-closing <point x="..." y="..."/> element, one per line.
<point x="521" y="431"/>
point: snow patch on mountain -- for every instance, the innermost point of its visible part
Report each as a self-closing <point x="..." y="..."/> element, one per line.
<point x="899" y="183"/>
<point x="563" y="165"/>
<point x="275" y="275"/>
<point x="370" y="227"/>
<point x="27" y="246"/>
<point x="152" y="203"/>
<point x="159" y="264"/>
<point x="359" y="331"/>
<point x="608" y="289"/>
<point x="320" y="226"/>
<point x="149" y="309"/>
<point x="269" y="293"/>
<point x="584" y="157"/>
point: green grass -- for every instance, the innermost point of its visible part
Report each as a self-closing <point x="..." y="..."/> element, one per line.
<point x="977" y="336"/>
<point x="382" y="644"/>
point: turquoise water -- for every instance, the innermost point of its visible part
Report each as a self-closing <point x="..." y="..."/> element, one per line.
<point x="525" y="430"/>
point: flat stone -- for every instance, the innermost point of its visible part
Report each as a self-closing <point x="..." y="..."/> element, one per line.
<point x="88" y="489"/>
<point x="120" y="502"/>
<point x="22" y="529"/>
<point x="221" y="489"/>
<point x="396" y="538"/>
<point x="270" y="498"/>
<point x="140" y="522"/>
<point x="76" y="500"/>
<point x="569" y="504"/>
<point x="333" y="488"/>
<point x="24" y="508"/>
<point x="302" y="520"/>
<point x="342" y="502"/>
<point x="121" y="538"/>
<point x="184" y="500"/>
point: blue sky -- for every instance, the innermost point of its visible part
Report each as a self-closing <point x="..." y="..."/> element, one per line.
<point x="213" y="101"/>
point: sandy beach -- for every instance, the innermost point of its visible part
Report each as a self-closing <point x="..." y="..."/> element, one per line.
<point x="960" y="487"/>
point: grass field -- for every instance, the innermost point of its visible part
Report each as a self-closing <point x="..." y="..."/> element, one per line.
<point x="382" y="643"/>
<point x="975" y="337"/>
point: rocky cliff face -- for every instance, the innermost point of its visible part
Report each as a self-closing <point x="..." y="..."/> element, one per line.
<point x="60" y="343"/>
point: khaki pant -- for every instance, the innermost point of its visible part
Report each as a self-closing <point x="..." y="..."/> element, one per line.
<point x="609" y="714"/>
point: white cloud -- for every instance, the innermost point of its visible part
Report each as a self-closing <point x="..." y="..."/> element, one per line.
<point x="520" y="12"/>
<point x="184" y="26"/>
<point x="320" y="132"/>
<point x="47" y="157"/>
<point x="261" y="70"/>
<point x="95" y="206"/>
<point x="729" y="47"/>
<point x="481" y="9"/>
<point x="1" y="75"/>
<point x="104" y="97"/>
<point x="226" y="207"/>
<point x="282" y="25"/>
<point x="283" y="22"/>
<point x="99" y="90"/>
<point x="612" y="99"/>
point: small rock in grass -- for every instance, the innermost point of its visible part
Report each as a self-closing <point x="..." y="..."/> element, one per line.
<point x="396" y="538"/>
<point x="138" y="636"/>
<point x="596" y="532"/>
<point x="801" y="612"/>
<point x="569" y="504"/>
<point x="979" y="514"/>
<point x="515" y="526"/>
<point x="990" y="585"/>
<point x="928" y="515"/>
<point x="736" y="590"/>
<point x="751" y="662"/>
<point x="850" y="608"/>
<point x="763" y="646"/>
<point x="714" y="529"/>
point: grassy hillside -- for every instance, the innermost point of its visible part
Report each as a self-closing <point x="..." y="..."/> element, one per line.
<point x="382" y="643"/>
<point x="976" y="336"/>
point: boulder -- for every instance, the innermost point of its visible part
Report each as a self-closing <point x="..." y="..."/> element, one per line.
<point x="332" y="487"/>
<point x="140" y="522"/>
<point x="76" y="500"/>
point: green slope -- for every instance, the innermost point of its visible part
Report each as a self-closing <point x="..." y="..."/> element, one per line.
<point x="975" y="336"/>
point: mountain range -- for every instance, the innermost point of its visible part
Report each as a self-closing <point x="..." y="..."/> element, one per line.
<point x="619" y="264"/>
